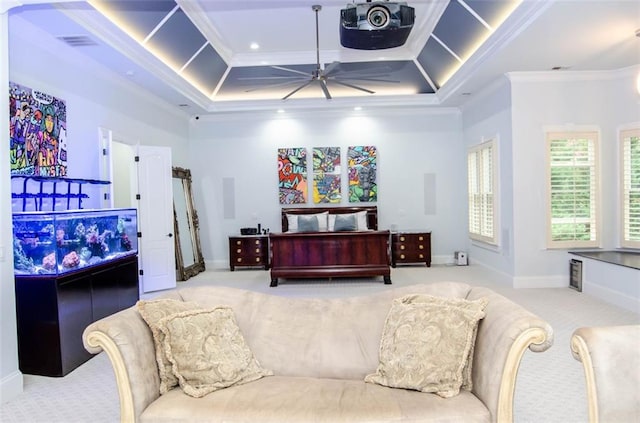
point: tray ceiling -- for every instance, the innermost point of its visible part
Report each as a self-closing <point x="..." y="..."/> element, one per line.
<point x="205" y="50"/>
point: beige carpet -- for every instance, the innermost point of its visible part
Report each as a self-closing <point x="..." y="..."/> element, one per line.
<point x="550" y="385"/>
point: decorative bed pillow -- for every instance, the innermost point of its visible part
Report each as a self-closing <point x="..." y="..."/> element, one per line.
<point x="345" y="223"/>
<point x="308" y="223"/>
<point x="292" y="221"/>
<point x="152" y="311"/>
<point x="360" y="218"/>
<point x="208" y="351"/>
<point x="426" y="343"/>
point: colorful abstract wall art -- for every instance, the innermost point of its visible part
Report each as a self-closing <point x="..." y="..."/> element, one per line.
<point x="37" y="132"/>
<point x="292" y="175"/>
<point x="326" y="175"/>
<point x="363" y="186"/>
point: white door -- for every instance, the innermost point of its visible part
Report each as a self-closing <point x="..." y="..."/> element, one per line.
<point x="155" y="219"/>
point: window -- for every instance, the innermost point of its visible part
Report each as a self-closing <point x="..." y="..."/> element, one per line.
<point x="482" y="165"/>
<point x="630" y="188"/>
<point x="573" y="189"/>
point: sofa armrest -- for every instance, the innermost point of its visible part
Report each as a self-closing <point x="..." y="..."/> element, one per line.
<point x="610" y="356"/>
<point x="505" y="333"/>
<point x="128" y="342"/>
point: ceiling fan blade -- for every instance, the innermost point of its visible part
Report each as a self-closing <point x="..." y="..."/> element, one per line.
<point x="325" y="90"/>
<point x="330" y="68"/>
<point x="270" y="86"/>
<point x="306" y="84"/>
<point x="263" y="78"/>
<point x="368" y="71"/>
<point x="290" y="70"/>
<point x="355" y="78"/>
<point x="346" y="84"/>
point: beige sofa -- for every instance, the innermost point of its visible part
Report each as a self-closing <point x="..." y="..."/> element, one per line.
<point x="320" y="351"/>
<point x="610" y="356"/>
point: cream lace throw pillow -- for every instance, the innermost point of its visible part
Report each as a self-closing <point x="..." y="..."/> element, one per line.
<point x="208" y="351"/>
<point x="152" y="311"/>
<point x="426" y="343"/>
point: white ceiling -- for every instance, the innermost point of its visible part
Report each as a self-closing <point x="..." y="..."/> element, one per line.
<point x="577" y="35"/>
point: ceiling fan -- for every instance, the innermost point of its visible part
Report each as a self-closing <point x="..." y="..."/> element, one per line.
<point x="321" y="76"/>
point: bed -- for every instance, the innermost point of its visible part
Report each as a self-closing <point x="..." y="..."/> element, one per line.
<point x="329" y="253"/>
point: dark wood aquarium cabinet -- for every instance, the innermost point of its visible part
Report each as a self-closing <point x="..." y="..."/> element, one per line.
<point x="52" y="312"/>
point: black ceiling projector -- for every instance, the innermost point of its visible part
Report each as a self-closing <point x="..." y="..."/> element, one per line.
<point x="375" y="25"/>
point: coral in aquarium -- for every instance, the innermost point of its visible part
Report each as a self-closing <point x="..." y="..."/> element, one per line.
<point x="49" y="261"/>
<point x="79" y="231"/>
<point x="96" y="240"/>
<point x="125" y="242"/>
<point x="20" y="259"/>
<point x="70" y="260"/>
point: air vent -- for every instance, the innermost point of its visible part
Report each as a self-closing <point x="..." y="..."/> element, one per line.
<point x="77" y="40"/>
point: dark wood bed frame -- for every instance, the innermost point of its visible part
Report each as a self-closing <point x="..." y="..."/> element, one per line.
<point x="330" y="254"/>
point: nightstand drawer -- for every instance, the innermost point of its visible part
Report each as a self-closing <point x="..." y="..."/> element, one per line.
<point x="248" y="250"/>
<point x="410" y="247"/>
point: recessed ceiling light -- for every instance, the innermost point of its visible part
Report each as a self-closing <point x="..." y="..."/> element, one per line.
<point x="357" y="108"/>
<point x="280" y="110"/>
<point x="254" y="46"/>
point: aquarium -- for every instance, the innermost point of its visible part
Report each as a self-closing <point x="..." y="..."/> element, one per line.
<point x="53" y="243"/>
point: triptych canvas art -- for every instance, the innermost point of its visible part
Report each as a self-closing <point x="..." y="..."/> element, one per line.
<point x="327" y="172"/>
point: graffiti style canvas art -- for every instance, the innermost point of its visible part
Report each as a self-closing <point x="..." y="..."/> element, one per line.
<point x="292" y="175"/>
<point x="37" y="132"/>
<point x="363" y="186"/>
<point x="326" y="175"/>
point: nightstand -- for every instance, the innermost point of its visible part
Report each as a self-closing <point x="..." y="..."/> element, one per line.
<point x="410" y="247"/>
<point x="248" y="250"/>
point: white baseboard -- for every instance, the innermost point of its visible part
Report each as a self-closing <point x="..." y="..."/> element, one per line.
<point x="11" y="386"/>
<point x="553" y="281"/>
<point x="613" y="297"/>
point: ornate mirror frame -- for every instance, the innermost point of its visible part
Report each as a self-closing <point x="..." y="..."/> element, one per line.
<point x="189" y="260"/>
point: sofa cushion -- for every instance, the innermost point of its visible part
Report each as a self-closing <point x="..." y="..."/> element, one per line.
<point x="426" y="343"/>
<point x="152" y="311"/>
<point x="207" y="351"/>
<point x="317" y="337"/>
<point x="281" y="399"/>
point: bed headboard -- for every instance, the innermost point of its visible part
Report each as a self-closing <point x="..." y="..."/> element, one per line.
<point x="372" y="213"/>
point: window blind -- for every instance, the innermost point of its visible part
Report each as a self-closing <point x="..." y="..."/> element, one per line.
<point x="572" y="189"/>
<point x="631" y="188"/>
<point x="480" y="168"/>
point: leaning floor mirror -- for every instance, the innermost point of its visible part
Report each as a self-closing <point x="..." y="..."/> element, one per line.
<point x="189" y="260"/>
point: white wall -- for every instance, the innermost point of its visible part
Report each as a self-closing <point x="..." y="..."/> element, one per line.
<point x="95" y="98"/>
<point x="411" y="142"/>
<point x="605" y="101"/>
<point x="485" y="117"/>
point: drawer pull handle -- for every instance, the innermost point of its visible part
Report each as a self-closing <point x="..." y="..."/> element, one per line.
<point x="257" y="242"/>
<point x="238" y="250"/>
<point x="401" y="238"/>
<point x="239" y="260"/>
<point x="238" y="242"/>
<point x="421" y="256"/>
<point x="421" y="247"/>
<point x="257" y="259"/>
<point x="402" y="247"/>
<point x="402" y="256"/>
<point x="257" y="250"/>
<point x="420" y="238"/>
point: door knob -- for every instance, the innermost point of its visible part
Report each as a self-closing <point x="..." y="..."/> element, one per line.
<point x="169" y="235"/>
